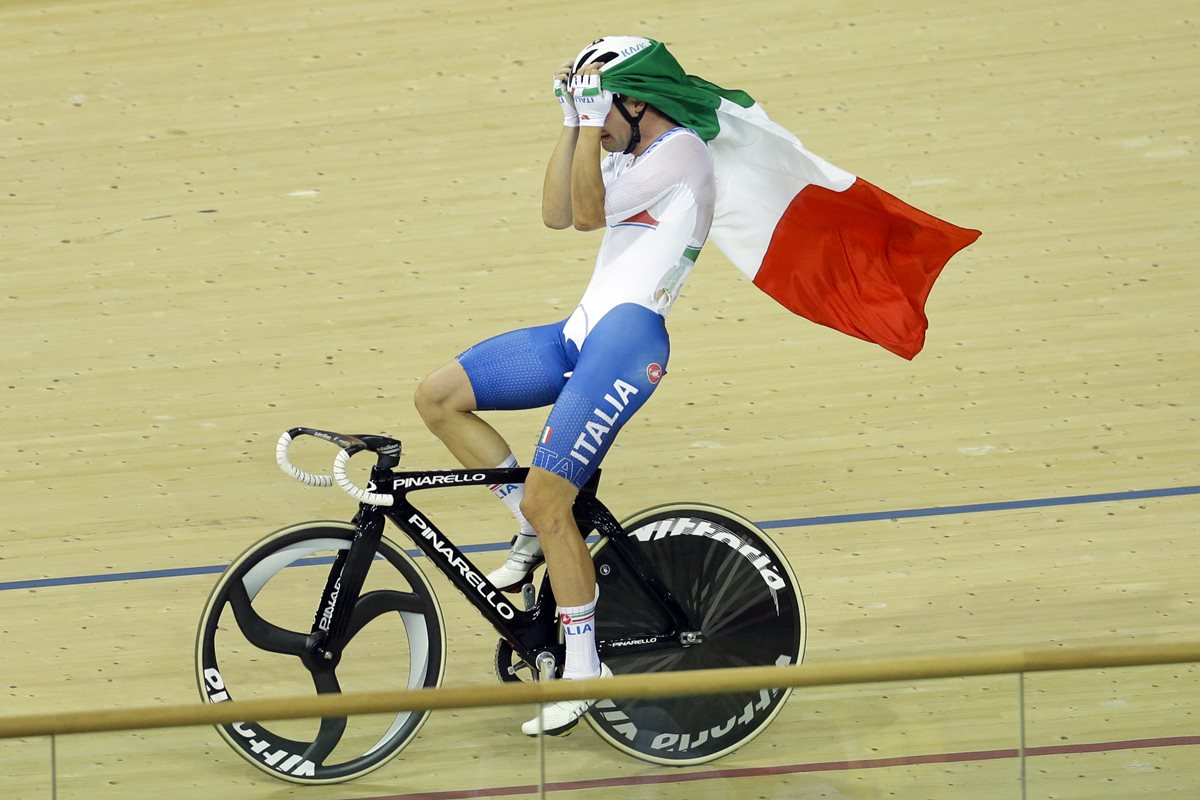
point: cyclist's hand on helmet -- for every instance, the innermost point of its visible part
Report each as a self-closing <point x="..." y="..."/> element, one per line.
<point x="592" y="101"/>
<point x="562" y="91"/>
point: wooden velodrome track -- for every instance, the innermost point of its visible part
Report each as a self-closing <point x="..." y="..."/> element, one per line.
<point x="224" y="219"/>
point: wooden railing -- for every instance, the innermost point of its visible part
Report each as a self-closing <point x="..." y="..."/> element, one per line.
<point x="628" y="686"/>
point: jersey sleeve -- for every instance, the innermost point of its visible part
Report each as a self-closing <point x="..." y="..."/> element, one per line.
<point x="683" y="160"/>
<point x="608" y="170"/>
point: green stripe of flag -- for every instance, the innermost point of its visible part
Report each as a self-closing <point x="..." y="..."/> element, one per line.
<point x="653" y="75"/>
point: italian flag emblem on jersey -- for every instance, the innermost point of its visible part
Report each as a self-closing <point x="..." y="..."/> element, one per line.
<point x="824" y="243"/>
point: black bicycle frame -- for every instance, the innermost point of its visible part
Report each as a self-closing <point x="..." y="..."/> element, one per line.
<point x="531" y="631"/>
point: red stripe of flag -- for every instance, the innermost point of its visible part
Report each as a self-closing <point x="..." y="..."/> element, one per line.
<point x="861" y="262"/>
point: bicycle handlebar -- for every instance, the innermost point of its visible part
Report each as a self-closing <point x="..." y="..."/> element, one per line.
<point x="290" y="469"/>
<point x="348" y="486"/>
<point x="349" y="446"/>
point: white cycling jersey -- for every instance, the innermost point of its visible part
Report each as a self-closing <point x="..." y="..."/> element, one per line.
<point x="658" y="208"/>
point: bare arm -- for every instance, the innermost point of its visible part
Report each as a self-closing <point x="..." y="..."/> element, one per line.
<point x="556" y="189"/>
<point x="587" y="185"/>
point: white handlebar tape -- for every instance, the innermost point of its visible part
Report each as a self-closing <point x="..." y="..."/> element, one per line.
<point x="357" y="492"/>
<point x="290" y="469"/>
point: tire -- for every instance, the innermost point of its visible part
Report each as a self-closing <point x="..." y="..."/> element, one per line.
<point x="253" y="631"/>
<point x="736" y="585"/>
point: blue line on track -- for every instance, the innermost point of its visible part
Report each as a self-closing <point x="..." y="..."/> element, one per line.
<point x="976" y="508"/>
<point x="801" y="522"/>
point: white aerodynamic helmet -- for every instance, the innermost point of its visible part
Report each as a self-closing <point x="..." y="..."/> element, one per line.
<point x="610" y="50"/>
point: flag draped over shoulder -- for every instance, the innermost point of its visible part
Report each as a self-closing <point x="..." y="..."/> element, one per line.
<point x="824" y="243"/>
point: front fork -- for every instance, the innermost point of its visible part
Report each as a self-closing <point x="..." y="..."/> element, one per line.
<point x="343" y="588"/>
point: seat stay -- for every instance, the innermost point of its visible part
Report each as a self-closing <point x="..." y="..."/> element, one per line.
<point x="619" y="539"/>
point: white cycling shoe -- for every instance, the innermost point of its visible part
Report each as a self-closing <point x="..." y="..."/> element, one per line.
<point x="523" y="559"/>
<point x="559" y="719"/>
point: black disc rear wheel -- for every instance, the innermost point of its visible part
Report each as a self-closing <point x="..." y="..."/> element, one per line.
<point x="738" y="589"/>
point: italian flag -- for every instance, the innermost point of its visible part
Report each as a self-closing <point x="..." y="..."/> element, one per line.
<point x="824" y="243"/>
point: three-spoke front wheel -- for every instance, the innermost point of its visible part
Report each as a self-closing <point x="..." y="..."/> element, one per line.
<point x="253" y="643"/>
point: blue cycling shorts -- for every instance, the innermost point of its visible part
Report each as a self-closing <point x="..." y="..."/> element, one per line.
<point x="594" y="389"/>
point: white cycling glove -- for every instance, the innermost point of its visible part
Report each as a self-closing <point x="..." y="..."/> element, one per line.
<point x="563" y="92"/>
<point x="592" y="101"/>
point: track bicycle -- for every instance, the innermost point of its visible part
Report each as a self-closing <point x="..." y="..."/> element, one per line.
<point x="682" y="587"/>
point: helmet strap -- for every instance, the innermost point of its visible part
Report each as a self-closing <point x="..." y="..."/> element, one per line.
<point x="635" y="136"/>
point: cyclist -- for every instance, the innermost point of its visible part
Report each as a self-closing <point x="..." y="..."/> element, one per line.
<point x="654" y="194"/>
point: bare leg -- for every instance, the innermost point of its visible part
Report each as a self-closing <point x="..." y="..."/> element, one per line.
<point x="548" y="503"/>
<point x="446" y="403"/>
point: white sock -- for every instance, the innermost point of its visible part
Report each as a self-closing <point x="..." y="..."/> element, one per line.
<point x="511" y="494"/>
<point x="579" y="630"/>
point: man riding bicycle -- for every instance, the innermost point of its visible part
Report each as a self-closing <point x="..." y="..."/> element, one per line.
<point x="654" y="194"/>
